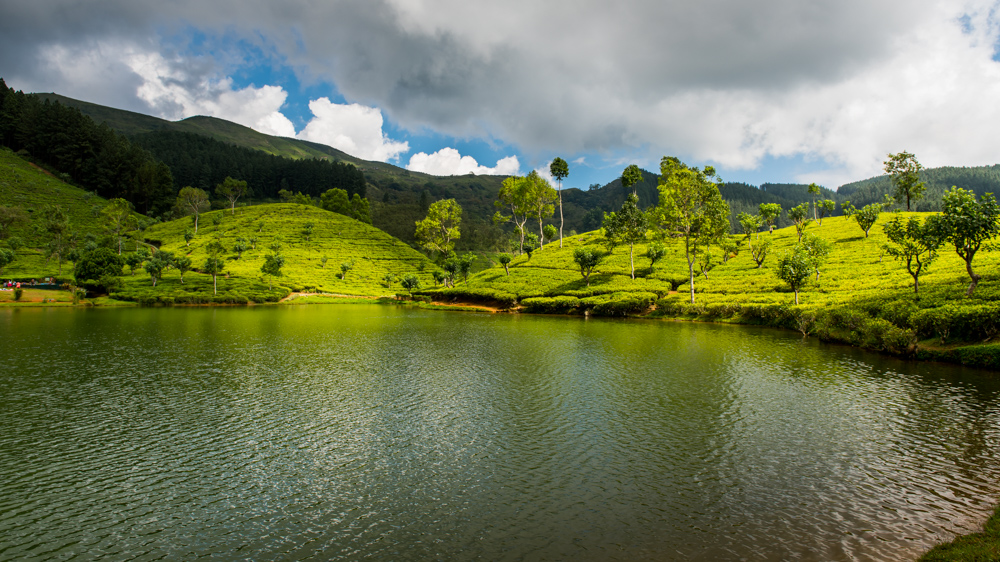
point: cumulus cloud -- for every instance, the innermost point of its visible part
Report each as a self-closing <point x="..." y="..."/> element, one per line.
<point x="353" y="128"/>
<point x="449" y="162"/>
<point x="840" y="82"/>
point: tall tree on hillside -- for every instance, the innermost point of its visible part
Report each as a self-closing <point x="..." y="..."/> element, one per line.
<point x="543" y="198"/>
<point x="631" y="176"/>
<point x="191" y="200"/>
<point x="968" y="223"/>
<point x="360" y="209"/>
<point x="515" y="195"/>
<point x="55" y="222"/>
<point x="814" y="190"/>
<point x="770" y="213"/>
<point x="214" y="264"/>
<point x="905" y="172"/>
<point x="826" y="207"/>
<point x="627" y="226"/>
<point x="798" y="216"/>
<point x="913" y="243"/>
<point x="691" y="207"/>
<point x="335" y="200"/>
<point x="439" y="230"/>
<point x="231" y="190"/>
<point x="559" y="170"/>
<point x="119" y="219"/>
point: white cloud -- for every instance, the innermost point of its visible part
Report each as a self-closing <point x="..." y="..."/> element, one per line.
<point x="174" y="92"/>
<point x="448" y="162"/>
<point x="353" y="128"/>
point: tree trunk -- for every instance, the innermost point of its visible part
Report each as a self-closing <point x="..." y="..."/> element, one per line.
<point x="196" y="223"/>
<point x="975" y="278"/>
<point x="541" y="233"/>
<point x="507" y="271"/>
<point x="560" y="214"/>
<point x="796" y="297"/>
<point x="215" y="285"/>
<point x="631" y="260"/>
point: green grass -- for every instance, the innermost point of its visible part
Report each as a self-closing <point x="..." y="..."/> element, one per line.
<point x="862" y="297"/>
<point x="336" y="237"/>
<point x="977" y="547"/>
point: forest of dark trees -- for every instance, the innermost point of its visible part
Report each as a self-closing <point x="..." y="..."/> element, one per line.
<point x="85" y="154"/>
<point x="148" y="170"/>
<point x="203" y="162"/>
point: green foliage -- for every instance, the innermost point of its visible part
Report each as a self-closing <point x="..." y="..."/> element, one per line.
<point x="588" y="259"/>
<point x="11" y="216"/>
<point x="826" y="207"/>
<point x="910" y="240"/>
<point x="627" y="226"/>
<point x="188" y="236"/>
<point x="795" y="268"/>
<point x="631" y="176"/>
<point x="6" y="258"/>
<point x="691" y="207"/>
<point x="551" y="305"/>
<point x="307" y="230"/>
<point x="967" y="223"/>
<point x="344" y="268"/>
<point x="905" y="172"/>
<point x="550" y="232"/>
<point x="360" y="209"/>
<point x="335" y="200"/>
<point x="15" y="243"/>
<point x="504" y="260"/>
<point x="530" y="244"/>
<point x="465" y="265"/>
<point x="655" y="252"/>
<point x="799" y="217"/>
<point x="95" y="265"/>
<point x="155" y="265"/>
<point x="241" y="245"/>
<point x="750" y="224"/>
<point x="769" y="212"/>
<point x="441" y="228"/>
<point x="866" y="217"/>
<point x="133" y="261"/>
<point x="231" y="190"/>
<point x="816" y="249"/>
<point x="410" y="282"/>
<point x="272" y="267"/>
<point x="183" y="265"/>
<point x="191" y="201"/>
<point x="18" y="293"/>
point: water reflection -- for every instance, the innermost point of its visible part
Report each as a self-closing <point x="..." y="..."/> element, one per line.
<point x="324" y="432"/>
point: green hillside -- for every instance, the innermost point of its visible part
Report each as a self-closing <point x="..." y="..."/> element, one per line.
<point x="862" y="296"/>
<point x="335" y="237"/>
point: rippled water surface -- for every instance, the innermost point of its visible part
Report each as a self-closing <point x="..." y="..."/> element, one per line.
<point x="353" y="432"/>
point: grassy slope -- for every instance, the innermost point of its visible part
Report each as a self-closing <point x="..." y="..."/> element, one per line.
<point x="31" y="188"/>
<point x="856" y="277"/>
<point x="854" y="270"/>
<point x="334" y="236"/>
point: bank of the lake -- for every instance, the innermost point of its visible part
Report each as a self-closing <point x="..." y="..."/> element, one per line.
<point x="313" y="432"/>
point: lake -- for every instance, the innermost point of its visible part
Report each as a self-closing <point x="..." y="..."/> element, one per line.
<point x="376" y="432"/>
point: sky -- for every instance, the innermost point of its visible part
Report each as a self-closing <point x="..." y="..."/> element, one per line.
<point x="764" y="91"/>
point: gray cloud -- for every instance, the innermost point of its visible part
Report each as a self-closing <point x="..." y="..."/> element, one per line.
<point x="726" y="80"/>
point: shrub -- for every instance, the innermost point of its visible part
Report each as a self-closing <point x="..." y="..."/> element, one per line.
<point x="550" y="305"/>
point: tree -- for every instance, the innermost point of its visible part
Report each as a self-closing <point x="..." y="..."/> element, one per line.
<point x="156" y="264"/>
<point x="690" y="206"/>
<point x="967" y="223"/>
<point x="826" y="207"/>
<point x="344" y="268"/>
<point x="588" y="259"/>
<point x="6" y="257"/>
<point x="231" y="190"/>
<point x="759" y="249"/>
<point x="515" y="195"/>
<point x="706" y="262"/>
<point x="191" y="200"/>
<point x="133" y="261"/>
<point x="867" y="217"/>
<point x="795" y="269"/>
<point x="410" y="282"/>
<point x="389" y="278"/>
<point x="627" y="226"/>
<point x="241" y="245"/>
<point x="335" y="200"/>
<point x="559" y="170"/>
<point x="543" y="198"/>
<point x="817" y="250"/>
<point x="214" y="264"/>
<point x="730" y="248"/>
<point x="769" y="212"/>
<point x="814" y="190"/>
<point x="631" y="176"/>
<point x="183" y="265"/>
<point x="504" y="260"/>
<point x="530" y="244"/>
<point x="11" y="216"/>
<point x="909" y="241"/>
<point x="439" y="277"/>
<point x="360" y="209"/>
<point x="442" y="226"/>
<point x="55" y="222"/>
<point x="550" y="232"/>
<point x="905" y="172"/>
<point x="272" y="267"/>
<point x="307" y="230"/>
<point x="655" y="252"/>
<point x="465" y="265"/>
<point x="749" y="224"/>
<point x="95" y="267"/>
<point x="188" y="236"/>
<point x="798" y="216"/>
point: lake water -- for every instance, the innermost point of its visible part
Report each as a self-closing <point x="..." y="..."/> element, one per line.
<point x="375" y="432"/>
